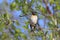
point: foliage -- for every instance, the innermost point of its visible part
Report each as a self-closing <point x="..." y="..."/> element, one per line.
<point x="8" y="30"/>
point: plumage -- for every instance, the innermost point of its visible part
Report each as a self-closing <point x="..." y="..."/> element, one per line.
<point x="34" y="19"/>
<point x="34" y="22"/>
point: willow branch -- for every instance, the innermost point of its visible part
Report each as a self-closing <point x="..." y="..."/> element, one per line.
<point x="47" y="7"/>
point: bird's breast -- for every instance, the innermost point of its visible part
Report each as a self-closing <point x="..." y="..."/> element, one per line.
<point x="34" y="19"/>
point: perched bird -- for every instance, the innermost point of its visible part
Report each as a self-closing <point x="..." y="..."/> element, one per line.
<point x="33" y="21"/>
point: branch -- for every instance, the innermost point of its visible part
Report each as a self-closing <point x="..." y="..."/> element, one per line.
<point x="22" y="15"/>
<point x="50" y="29"/>
<point x="47" y="8"/>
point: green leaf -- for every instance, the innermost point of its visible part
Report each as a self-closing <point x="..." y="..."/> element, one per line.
<point x="23" y="36"/>
<point x="51" y="36"/>
<point x="43" y="10"/>
<point x="51" y="1"/>
<point x="16" y="35"/>
<point x="17" y="31"/>
<point x="25" y="9"/>
<point x="58" y="7"/>
<point x="17" y="23"/>
<point x="13" y="6"/>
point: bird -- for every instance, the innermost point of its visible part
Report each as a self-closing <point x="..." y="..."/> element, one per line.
<point x="33" y="21"/>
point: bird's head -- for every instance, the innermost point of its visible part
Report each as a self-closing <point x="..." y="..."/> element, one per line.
<point x="34" y="13"/>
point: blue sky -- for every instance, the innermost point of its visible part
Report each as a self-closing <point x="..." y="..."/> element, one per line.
<point x="1" y="1"/>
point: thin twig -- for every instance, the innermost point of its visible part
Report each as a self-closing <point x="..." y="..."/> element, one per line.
<point x="51" y="29"/>
<point x="47" y="8"/>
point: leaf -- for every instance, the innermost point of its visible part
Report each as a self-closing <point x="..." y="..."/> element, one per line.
<point x="17" y="31"/>
<point x="51" y="1"/>
<point x="13" y="6"/>
<point x="17" y="23"/>
<point x="51" y="24"/>
<point x="58" y="7"/>
<point x="16" y="35"/>
<point x="13" y="26"/>
<point x="51" y="36"/>
<point x="43" y="10"/>
<point x="25" y="9"/>
<point x="23" y="36"/>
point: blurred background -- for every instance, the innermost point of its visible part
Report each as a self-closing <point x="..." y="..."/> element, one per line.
<point x="15" y="17"/>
